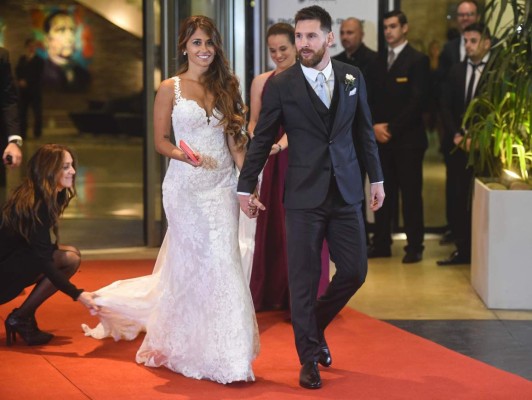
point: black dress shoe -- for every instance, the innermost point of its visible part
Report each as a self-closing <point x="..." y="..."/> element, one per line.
<point x="412" y="257"/>
<point x="376" y="252"/>
<point x="325" y="358"/>
<point x="309" y="376"/>
<point x="454" y="259"/>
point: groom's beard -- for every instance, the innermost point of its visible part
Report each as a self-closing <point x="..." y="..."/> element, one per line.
<point x="315" y="59"/>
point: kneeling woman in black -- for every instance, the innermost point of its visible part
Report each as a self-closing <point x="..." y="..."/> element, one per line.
<point x="27" y="254"/>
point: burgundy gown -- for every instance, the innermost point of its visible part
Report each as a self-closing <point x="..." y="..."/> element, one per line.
<point x="269" y="275"/>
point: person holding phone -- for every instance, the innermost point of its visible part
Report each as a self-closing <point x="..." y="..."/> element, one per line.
<point x="199" y="317"/>
<point x="27" y="255"/>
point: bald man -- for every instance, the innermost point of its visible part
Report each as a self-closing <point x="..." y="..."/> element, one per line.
<point x="355" y="51"/>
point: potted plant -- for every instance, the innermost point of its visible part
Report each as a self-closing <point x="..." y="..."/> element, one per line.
<point x="497" y="123"/>
<point x="498" y="120"/>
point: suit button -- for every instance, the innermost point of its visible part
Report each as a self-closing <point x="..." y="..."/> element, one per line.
<point x="331" y="142"/>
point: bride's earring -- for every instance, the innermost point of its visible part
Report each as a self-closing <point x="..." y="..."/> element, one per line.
<point x="184" y="53"/>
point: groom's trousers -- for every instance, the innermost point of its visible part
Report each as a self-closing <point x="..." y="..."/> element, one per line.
<point x="343" y="226"/>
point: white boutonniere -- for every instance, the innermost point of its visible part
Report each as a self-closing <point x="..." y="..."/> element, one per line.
<point x="349" y="82"/>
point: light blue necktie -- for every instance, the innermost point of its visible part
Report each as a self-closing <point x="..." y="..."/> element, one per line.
<point x="322" y="90"/>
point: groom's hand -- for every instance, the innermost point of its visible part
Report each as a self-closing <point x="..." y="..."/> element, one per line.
<point x="250" y="205"/>
<point x="376" y="196"/>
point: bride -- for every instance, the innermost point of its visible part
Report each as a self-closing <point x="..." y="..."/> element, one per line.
<point x="196" y="307"/>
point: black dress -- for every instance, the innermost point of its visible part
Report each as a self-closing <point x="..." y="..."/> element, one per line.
<point x="22" y="262"/>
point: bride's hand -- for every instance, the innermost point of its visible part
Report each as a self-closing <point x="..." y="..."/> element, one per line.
<point x="192" y="162"/>
<point x="87" y="299"/>
<point x="250" y="205"/>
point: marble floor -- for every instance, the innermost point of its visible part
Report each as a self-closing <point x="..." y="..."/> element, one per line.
<point x="437" y="303"/>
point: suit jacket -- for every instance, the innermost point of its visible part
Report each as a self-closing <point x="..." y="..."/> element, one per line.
<point x="363" y="58"/>
<point x="449" y="56"/>
<point x="453" y="101"/>
<point x="31" y="71"/>
<point x="400" y="97"/>
<point x="316" y="152"/>
<point x="9" y="119"/>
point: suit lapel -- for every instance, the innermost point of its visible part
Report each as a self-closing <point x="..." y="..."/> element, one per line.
<point x="339" y="77"/>
<point x="462" y="84"/>
<point x="483" y="77"/>
<point x="400" y="59"/>
<point x="301" y="94"/>
<point x="457" y="57"/>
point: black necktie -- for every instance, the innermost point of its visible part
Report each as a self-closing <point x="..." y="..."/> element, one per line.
<point x="471" y="85"/>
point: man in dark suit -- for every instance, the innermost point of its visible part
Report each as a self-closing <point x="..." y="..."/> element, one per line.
<point x="453" y="52"/>
<point x="400" y="84"/>
<point x="29" y="72"/>
<point x="10" y="139"/>
<point x="462" y="85"/>
<point x="322" y="105"/>
<point x="355" y="51"/>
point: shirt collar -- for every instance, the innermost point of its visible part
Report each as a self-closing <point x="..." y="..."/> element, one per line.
<point x="311" y="74"/>
<point x="397" y="50"/>
<point x="484" y="60"/>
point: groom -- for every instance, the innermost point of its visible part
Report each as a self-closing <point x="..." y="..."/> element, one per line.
<point x="322" y="107"/>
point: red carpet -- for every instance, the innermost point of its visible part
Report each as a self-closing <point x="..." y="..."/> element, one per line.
<point x="372" y="360"/>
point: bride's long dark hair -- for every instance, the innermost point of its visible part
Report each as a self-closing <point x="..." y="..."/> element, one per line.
<point x="218" y="80"/>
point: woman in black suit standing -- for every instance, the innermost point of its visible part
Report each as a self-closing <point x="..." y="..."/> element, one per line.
<point x="27" y="255"/>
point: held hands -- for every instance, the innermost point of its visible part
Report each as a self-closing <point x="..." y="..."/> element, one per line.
<point x="382" y="133"/>
<point x="12" y="156"/>
<point x="87" y="299"/>
<point x="376" y="196"/>
<point x="276" y="149"/>
<point x="250" y="205"/>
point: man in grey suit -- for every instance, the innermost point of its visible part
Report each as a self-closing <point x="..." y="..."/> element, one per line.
<point x="322" y="106"/>
<point x="10" y="139"/>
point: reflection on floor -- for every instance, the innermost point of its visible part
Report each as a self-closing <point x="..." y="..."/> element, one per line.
<point x="437" y="303"/>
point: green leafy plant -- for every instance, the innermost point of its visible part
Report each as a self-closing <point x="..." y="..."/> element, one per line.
<point x="497" y="122"/>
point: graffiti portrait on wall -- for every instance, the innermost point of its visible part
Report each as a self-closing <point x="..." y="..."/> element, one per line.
<point x="66" y="46"/>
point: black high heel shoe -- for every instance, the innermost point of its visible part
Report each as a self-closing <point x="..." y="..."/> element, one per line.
<point x="27" y="329"/>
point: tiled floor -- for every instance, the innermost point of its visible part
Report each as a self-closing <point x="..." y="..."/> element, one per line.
<point x="437" y="303"/>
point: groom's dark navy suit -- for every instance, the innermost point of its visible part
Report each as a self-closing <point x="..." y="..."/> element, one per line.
<point x="323" y="190"/>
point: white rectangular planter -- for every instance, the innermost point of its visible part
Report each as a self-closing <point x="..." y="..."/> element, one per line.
<point x="501" y="258"/>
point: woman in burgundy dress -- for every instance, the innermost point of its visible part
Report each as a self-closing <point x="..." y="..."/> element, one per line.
<point x="269" y="275"/>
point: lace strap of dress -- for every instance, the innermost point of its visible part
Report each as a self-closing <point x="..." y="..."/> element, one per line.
<point x="177" y="88"/>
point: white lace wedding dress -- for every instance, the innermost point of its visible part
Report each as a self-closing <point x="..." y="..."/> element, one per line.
<point x="196" y="307"/>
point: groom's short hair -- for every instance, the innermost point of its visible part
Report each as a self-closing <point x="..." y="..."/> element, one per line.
<point x="315" y="13"/>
